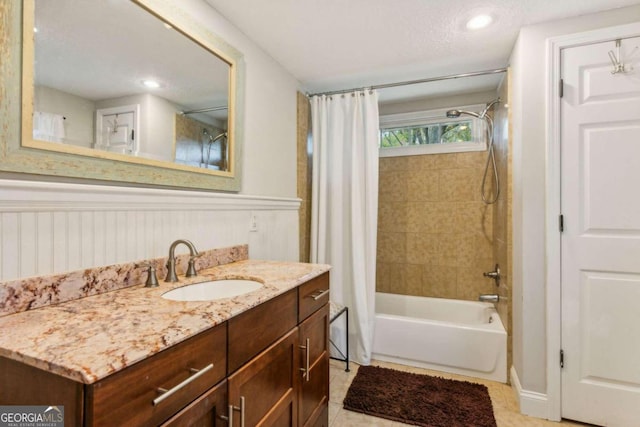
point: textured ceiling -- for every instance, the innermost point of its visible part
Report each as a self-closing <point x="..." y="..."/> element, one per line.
<point x="104" y="49"/>
<point x="335" y="44"/>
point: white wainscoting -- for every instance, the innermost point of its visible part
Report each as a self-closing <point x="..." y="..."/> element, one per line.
<point x="50" y="228"/>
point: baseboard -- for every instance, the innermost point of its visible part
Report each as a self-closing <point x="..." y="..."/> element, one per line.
<point x="531" y="403"/>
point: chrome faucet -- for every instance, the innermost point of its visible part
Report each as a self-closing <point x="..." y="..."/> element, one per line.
<point x="489" y="298"/>
<point x="495" y="275"/>
<point x="171" y="262"/>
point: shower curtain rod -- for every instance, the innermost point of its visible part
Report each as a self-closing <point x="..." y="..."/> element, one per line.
<point x="413" y="82"/>
<point x="204" y="110"/>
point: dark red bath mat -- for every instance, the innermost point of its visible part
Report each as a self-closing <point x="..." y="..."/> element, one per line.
<point x="420" y="400"/>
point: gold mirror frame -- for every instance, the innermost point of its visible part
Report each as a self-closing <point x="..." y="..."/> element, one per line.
<point x="20" y="153"/>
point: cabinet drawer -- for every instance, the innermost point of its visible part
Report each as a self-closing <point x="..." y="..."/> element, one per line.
<point x="256" y="329"/>
<point x="312" y="295"/>
<point x="130" y="397"/>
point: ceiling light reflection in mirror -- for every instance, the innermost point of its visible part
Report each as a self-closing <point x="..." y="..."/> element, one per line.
<point x="111" y="77"/>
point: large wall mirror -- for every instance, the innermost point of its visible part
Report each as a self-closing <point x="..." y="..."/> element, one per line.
<point x="125" y="90"/>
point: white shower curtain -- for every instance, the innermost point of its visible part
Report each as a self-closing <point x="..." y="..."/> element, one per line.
<point x="345" y="205"/>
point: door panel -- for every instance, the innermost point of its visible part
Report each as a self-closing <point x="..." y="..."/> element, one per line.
<point x="268" y="385"/>
<point x="600" y="140"/>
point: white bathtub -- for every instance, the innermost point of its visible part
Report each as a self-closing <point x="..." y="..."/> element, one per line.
<point x="461" y="337"/>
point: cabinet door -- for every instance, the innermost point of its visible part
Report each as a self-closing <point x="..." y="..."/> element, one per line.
<point x="264" y="391"/>
<point x="314" y="356"/>
<point x="206" y="411"/>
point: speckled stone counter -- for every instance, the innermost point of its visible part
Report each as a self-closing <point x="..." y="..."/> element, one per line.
<point x="90" y="338"/>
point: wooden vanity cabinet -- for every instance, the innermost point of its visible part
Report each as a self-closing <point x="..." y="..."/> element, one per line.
<point x="268" y="365"/>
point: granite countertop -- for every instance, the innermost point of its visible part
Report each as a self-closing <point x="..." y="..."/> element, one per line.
<point x="90" y="338"/>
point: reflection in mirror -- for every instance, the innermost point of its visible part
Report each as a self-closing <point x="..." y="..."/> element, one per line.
<point x="111" y="77"/>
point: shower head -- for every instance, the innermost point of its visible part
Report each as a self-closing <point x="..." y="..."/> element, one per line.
<point x="453" y="114"/>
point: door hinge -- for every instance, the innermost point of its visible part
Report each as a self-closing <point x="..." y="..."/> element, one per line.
<point x="561" y="358"/>
<point x="561" y="88"/>
<point x="561" y="223"/>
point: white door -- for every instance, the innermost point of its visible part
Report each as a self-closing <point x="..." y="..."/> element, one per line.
<point x="600" y="189"/>
<point x="117" y="129"/>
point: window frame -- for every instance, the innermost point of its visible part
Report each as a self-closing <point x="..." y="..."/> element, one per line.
<point x="431" y="117"/>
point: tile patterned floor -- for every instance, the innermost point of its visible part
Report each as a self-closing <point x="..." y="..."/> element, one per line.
<point x="505" y="406"/>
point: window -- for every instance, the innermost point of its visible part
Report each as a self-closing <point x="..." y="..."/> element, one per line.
<point x="427" y="132"/>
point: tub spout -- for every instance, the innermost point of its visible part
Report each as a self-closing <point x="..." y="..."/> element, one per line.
<point x="489" y="298"/>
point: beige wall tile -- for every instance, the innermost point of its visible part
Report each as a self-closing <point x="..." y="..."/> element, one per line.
<point x="422" y="248"/>
<point x="439" y="281"/>
<point x="414" y="279"/>
<point x="392" y="247"/>
<point x="392" y="186"/>
<point x="387" y="164"/>
<point x="392" y="216"/>
<point x="421" y="163"/>
<point x="423" y="185"/>
<point x="458" y="185"/>
<point x="445" y="161"/>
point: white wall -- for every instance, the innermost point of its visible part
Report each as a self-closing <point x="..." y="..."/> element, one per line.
<point x="159" y="128"/>
<point x="90" y="219"/>
<point x="79" y="113"/>
<point x="529" y="71"/>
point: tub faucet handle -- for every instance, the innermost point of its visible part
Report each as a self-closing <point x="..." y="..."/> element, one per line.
<point x="495" y="274"/>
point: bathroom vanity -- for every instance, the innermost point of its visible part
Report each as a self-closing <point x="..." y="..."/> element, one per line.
<point x="130" y="357"/>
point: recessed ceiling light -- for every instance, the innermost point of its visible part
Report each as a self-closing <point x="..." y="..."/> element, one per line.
<point x="35" y="29"/>
<point x="479" y="21"/>
<point x="151" y="84"/>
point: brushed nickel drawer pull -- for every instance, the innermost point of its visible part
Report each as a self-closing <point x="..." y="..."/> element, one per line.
<point x="318" y="294"/>
<point x="305" y="370"/>
<point x="166" y="393"/>
<point x="241" y="411"/>
<point x="232" y="408"/>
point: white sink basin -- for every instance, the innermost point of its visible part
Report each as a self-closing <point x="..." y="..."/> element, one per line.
<point x="212" y="290"/>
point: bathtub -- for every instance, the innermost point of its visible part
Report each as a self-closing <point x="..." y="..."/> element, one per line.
<point x="460" y="337"/>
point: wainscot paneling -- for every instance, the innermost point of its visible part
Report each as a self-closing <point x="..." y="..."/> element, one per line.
<point x="50" y="228"/>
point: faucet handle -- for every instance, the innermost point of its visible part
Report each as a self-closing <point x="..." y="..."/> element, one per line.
<point x="191" y="269"/>
<point x="152" y="279"/>
<point x="495" y="274"/>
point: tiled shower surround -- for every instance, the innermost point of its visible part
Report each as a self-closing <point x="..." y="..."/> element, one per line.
<point x="435" y="235"/>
